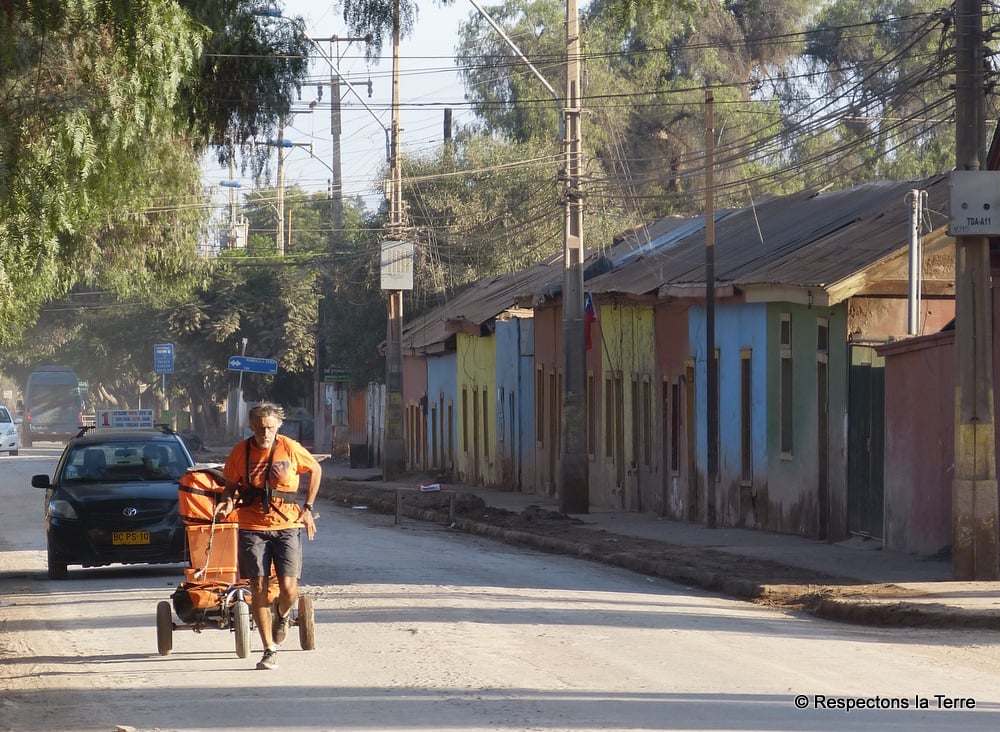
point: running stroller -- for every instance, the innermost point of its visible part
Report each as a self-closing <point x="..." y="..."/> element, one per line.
<point x="212" y="594"/>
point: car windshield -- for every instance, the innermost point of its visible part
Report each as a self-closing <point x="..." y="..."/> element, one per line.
<point x="124" y="461"/>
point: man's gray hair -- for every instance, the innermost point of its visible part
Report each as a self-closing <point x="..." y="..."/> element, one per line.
<point x="266" y="409"/>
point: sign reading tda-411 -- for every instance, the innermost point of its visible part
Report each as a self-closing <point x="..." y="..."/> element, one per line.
<point x="253" y="365"/>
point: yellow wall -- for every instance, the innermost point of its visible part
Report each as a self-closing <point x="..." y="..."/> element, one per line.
<point x="629" y="343"/>
<point x="476" y="376"/>
<point x="628" y="350"/>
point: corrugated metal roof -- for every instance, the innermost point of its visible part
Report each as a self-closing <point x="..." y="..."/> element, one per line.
<point x="477" y="304"/>
<point x="808" y="239"/>
<point x="805" y="239"/>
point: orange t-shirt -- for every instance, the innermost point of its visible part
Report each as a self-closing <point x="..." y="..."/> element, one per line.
<point x="290" y="461"/>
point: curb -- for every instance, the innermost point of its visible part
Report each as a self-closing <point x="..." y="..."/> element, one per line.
<point x="813" y="600"/>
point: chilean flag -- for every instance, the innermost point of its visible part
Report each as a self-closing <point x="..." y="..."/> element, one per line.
<point x="589" y="315"/>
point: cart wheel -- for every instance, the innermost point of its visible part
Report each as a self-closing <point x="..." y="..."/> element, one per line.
<point x="241" y="625"/>
<point x="307" y="628"/>
<point x="164" y="628"/>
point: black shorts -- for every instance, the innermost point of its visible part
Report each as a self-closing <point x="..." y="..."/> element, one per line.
<point x="259" y="550"/>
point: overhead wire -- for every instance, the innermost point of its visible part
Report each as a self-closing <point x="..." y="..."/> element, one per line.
<point x="730" y="152"/>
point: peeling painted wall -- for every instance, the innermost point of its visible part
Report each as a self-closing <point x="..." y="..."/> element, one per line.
<point x="629" y="352"/>
<point x="920" y="443"/>
<point x="881" y="318"/>
<point x="475" y="361"/>
<point x="441" y="381"/>
<point x="739" y="328"/>
<point x="515" y="428"/>
<point x="671" y="323"/>
<point x="793" y="500"/>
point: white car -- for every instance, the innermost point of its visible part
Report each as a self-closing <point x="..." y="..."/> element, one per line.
<point x="9" y="437"/>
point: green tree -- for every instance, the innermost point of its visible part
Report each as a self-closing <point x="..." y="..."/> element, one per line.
<point x="510" y="101"/>
<point x="499" y="215"/>
<point x="378" y="18"/>
<point x="90" y="148"/>
<point x="307" y="220"/>
<point x="246" y="76"/>
<point x="105" y="108"/>
<point x="876" y="100"/>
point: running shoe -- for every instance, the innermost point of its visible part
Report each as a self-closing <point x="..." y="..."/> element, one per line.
<point x="269" y="661"/>
<point x="279" y="629"/>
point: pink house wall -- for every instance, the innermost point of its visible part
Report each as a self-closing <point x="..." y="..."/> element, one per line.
<point x="919" y="443"/>
<point x="675" y="500"/>
<point x="548" y="359"/>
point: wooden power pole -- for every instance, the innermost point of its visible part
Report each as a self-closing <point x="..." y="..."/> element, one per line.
<point x="394" y="450"/>
<point x="974" y="486"/>
<point x="574" y="478"/>
<point x="711" y="364"/>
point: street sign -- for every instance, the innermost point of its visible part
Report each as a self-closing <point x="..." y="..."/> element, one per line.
<point x="163" y="358"/>
<point x="118" y="418"/>
<point x="253" y="365"/>
<point x="333" y="374"/>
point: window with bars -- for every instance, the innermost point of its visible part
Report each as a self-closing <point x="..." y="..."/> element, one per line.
<point x="465" y="419"/>
<point x="591" y="416"/>
<point x="675" y="427"/>
<point x="746" y="417"/>
<point x="647" y="422"/>
<point x="486" y="422"/>
<point x="785" y="385"/>
<point x="540" y="406"/>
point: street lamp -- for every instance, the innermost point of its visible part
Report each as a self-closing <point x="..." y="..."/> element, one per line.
<point x="233" y="238"/>
<point x="283" y="144"/>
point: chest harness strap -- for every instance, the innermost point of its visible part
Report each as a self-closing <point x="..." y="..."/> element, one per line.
<point x="265" y="494"/>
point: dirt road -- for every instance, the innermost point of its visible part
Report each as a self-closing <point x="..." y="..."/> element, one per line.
<point x="424" y="628"/>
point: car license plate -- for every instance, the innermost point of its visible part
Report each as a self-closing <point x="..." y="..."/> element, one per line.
<point x="129" y="537"/>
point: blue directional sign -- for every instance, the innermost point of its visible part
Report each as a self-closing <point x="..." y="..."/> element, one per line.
<point x="163" y="358"/>
<point x="253" y="365"/>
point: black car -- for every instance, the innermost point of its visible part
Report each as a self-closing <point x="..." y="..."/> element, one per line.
<point x="113" y="499"/>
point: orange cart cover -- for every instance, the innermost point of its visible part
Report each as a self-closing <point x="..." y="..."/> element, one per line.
<point x="204" y="595"/>
<point x="198" y="491"/>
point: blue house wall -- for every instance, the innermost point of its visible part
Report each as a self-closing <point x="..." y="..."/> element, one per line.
<point x="740" y="331"/>
<point x="526" y="405"/>
<point x="441" y="380"/>
<point x="515" y="401"/>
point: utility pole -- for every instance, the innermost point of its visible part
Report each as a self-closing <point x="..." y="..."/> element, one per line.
<point x="974" y="486"/>
<point x="394" y="451"/>
<point x="711" y="364"/>
<point x="279" y="240"/>
<point x="231" y="239"/>
<point x="574" y="483"/>
<point x="574" y="478"/>
<point x="336" y="182"/>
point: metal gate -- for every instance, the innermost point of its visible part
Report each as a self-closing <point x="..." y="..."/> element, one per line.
<point x="865" y="441"/>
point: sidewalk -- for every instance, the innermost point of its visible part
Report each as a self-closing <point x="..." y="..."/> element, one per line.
<point x="891" y="588"/>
